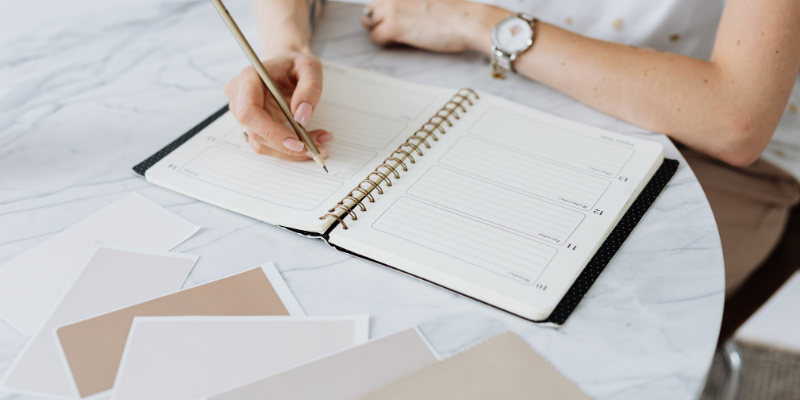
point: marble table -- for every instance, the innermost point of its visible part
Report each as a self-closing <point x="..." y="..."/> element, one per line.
<point x="89" y="88"/>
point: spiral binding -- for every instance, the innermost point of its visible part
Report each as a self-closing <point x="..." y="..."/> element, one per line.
<point x="405" y="152"/>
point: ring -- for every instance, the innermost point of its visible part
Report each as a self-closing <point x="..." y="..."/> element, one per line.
<point x="367" y="12"/>
<point x="245" y="137"/>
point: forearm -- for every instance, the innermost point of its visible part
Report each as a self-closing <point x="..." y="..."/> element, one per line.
<point x="692" y="101"/>
<point x="727" y="108"/>
<point x="286" y="25"/>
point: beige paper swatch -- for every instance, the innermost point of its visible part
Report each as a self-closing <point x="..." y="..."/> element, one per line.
<point x="31" y="284"/>
<point x="344" y="375"/>
<point x="112" y="278"/>
<point x="503" y="367"/>
<point x="93" y="348"/>
<point x="186" y="358"/>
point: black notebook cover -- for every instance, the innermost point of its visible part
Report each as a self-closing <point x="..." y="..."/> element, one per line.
<point x="585" y="280"/>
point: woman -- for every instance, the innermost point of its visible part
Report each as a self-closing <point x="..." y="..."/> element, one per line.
<point x="722" y="112"/>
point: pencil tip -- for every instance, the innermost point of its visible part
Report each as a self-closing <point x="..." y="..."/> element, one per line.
<point x="321" y="162"/>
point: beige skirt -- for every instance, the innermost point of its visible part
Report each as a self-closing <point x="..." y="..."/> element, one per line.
<point x="751" y="206"/>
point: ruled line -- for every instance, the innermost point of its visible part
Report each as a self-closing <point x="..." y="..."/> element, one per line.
<point x="525" y="173"/>
<point x="343" y="161"/>
<point x="465" y="239"/>
<point x="556" y="144"/>
<point x="355" y="127"/>
<point x="492" y="203"/>
<point x="259" y="177"/>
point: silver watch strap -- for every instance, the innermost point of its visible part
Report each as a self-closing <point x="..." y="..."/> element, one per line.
<point x="527" y="17"/>
<point x="503" y="62"/>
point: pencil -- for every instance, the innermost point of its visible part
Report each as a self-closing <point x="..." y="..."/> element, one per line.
<point x="273" y="89"/>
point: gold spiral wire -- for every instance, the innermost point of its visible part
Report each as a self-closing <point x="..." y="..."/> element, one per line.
<point x="403" y="153"/>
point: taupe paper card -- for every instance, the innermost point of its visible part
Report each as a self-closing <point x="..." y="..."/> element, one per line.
<point x="344" y="375"/>
<point x="113" y="277"/>
<point x="93" y="348"/>
<point x="503" y="367"/>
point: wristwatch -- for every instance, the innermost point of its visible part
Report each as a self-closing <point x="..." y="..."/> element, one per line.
<point x="510" y="37"/>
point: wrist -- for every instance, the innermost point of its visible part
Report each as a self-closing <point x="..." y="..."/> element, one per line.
<point x="478" y="32"/>
<point x="285" y="39"/>
<point x="272" y="51"/>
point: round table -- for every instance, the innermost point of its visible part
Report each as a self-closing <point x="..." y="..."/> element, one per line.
<point x="91" y="88"/>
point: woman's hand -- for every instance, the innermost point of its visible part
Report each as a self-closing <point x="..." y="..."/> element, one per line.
<point x="436" y="25"/>
<point x="299" y="77"/>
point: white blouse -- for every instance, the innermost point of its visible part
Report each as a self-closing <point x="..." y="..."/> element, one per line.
<point x="686" y="27"/>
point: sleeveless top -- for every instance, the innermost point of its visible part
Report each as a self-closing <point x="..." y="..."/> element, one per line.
<point x="685" y="27"/>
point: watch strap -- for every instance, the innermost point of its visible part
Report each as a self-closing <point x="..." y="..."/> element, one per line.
<point x="503" y="62"/>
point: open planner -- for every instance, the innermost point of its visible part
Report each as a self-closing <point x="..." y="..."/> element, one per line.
<point x="499" y="202"/>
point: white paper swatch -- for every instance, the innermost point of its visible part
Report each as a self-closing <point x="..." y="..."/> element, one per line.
<point x="777" y="322"/>
<point x="112" y="277"/>
<point x="178" y="358"/>
<point x="31" y="284"/>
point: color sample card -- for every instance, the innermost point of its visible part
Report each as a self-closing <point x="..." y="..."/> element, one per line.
<point x="93" y="348"/>
<point x="184" y="358"/>
<point x="503" y="367"/>
<point x="112" y="277"/>
<point x="346" y="374"/>
<point x="31" y="284"/>
<point x="776" y="323"/>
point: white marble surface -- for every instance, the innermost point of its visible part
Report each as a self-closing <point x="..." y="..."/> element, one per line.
<point x="90" y="88"/>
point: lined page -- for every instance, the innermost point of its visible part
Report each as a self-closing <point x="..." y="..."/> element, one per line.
<point x="356" y="128"/>
<point x="261" y="178"/>
<point x="515" y="211"/>
<point x="534" y="175"/>
<point x="369" y="115"/>
<point x="507" y="207"/>
<point x="467" y="239"/>
<point x="343" y="162"/>
<point x="555" y="144"/>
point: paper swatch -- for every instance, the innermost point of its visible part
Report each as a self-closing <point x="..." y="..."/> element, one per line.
<point x="345" y="375"/>
<point x="776" y="323"/>
<point x="503" y="367"/>
<point x="93" y="347"/>
<point x="112" y="277"/>
<point x="31" y="284"/>
<point x="184" y="358"/>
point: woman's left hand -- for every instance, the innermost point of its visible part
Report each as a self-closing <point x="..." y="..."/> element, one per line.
<point x="436" y="25"/>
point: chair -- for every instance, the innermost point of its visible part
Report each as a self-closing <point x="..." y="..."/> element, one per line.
<point x="775" y="325"/>
<point x="776" y="287"/>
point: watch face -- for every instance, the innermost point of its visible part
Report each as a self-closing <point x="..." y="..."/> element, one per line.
<point x="513" y="35"/>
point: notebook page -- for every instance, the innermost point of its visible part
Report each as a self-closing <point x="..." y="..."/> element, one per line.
<point x="369" y="116"/>
<point x="508" y="207"/>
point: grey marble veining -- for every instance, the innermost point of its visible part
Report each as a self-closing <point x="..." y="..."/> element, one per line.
<point x="89" y="90"/>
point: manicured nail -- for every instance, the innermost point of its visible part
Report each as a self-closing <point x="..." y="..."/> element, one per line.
<point x="325" y="137"/>
<point x="293" y="144"/>
<point x="322" y="151"/>
<point x="303" y="113"/>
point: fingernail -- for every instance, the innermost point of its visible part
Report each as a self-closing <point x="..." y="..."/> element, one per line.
<point x="293" y="144"/>
<point x="325" y="137"/>
<point x="303" y="113"/>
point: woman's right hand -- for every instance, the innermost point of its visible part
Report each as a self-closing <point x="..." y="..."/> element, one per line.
<point x="298" y="75"/>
